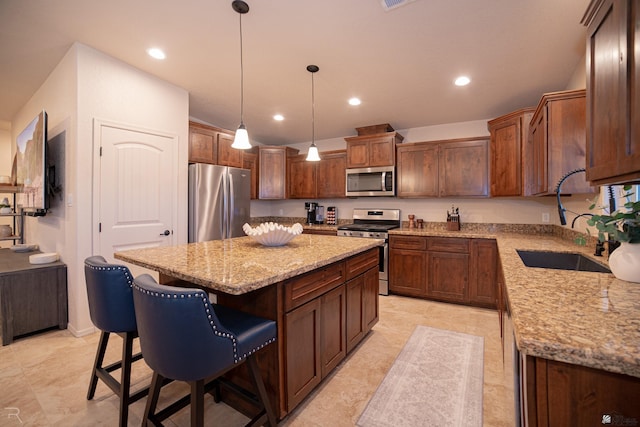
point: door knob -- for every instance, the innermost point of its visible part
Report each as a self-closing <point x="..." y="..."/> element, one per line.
<point x="166" y="233"/>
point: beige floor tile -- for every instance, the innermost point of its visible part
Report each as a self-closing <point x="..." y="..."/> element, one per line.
<point x="46" y="375"/>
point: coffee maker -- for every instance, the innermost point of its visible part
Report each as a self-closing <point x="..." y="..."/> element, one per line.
<point x="315" y="213"/>
<point x="311" y="207"/>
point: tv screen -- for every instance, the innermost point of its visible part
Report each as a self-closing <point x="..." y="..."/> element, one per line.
<point x="31" y="169"/>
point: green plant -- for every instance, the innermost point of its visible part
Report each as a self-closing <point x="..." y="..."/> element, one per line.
<point x="622" y="225"/>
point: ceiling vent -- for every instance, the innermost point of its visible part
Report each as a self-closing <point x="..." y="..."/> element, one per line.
<point x="388" y="5"/>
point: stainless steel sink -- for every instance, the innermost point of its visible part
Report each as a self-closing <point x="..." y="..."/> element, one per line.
<point x="560" y="261"/>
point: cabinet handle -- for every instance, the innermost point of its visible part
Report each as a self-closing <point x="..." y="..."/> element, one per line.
<point x="165" y="233"/>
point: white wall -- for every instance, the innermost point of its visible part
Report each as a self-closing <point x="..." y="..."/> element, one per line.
<point x="86" y="85"/>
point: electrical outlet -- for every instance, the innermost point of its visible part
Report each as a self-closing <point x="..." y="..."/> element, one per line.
<point x="545" y="217"/>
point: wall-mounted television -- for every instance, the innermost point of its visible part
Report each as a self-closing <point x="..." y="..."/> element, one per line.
<point x="31" y="166"/>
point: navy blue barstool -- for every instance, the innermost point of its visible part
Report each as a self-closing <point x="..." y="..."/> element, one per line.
<point x="109" y="290"/>
<point x="184" y="337"/>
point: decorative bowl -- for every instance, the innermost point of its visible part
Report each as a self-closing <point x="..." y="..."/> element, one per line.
<point x="272" y="234"/>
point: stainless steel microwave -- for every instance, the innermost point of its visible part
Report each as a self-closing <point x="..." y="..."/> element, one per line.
<point x="378" y="181"/>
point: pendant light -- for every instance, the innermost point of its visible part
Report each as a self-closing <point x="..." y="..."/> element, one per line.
<point x="241" y="140"/>
<point x="312" y="155"/>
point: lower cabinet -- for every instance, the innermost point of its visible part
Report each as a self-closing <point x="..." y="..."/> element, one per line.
<point x="561" y="394"/>
<point x="328" y="313"/>
<point x="448" y="269"/>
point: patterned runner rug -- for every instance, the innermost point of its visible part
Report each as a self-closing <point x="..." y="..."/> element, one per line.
<point x="436" y="380"/>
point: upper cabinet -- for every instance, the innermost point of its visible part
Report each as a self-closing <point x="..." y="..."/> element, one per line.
<point x="556" y="144"/>
<point x="272" y="171"/>
<point x="507" y="158"/>
<point x="457" y="167"/>
<point x="366" y="151"/>
<point x="613" y="96"/>
<point x="318" y="180"/>
<point x="209" y="144"/>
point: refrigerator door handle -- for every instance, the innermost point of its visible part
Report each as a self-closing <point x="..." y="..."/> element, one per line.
<point x="230" y="211"/>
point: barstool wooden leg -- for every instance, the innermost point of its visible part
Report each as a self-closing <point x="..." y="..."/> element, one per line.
<point x="262" y="391"/>
<point x="197" y="403"/>
<point x="125" y="377"/>
<point x="152" y="400"/>
<point x="102" y="348"/>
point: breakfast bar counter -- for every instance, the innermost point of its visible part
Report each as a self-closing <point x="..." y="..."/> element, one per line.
<point x="322" y="292"/>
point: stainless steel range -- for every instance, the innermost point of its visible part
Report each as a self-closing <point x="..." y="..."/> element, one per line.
<point x="374" y="224"/>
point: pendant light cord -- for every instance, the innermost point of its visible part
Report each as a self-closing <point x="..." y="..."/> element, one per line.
<point x="241" y="76"/>
<point x="313" y="112"/>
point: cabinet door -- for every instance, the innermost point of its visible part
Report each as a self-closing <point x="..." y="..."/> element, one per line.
<point x="448" y="276"/>
<point x="357" y="154"/>
<point x="408" y="272"/>
<point x="331" y="175"/>
<point x="302" y="330"/>
<point x="302" y="178"/>
<point x="417" y="170"/>
<point x="228" y="156"/>
<point x="333" y="342"/>
<point x="382" y="151"/>
<point x="202" y="145"/>
<point x="507" y="153"/>
<point x="538" y="156"/>
<point x="250" y="161"/>
<point x="355" y="319"/>
<point x="464" y="168"/>
<point x="483" y="280"/>
<point x="613" y="98"/>
<point x="370" y="307"/>
<point x="272" y="171"/>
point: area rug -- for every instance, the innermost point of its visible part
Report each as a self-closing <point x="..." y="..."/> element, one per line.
<point x="436" y="380"/>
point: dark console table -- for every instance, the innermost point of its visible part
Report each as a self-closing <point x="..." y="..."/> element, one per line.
<point x="33" y="297"/>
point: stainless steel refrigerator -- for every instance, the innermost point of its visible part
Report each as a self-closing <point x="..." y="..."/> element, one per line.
<point x="219" y="201"/>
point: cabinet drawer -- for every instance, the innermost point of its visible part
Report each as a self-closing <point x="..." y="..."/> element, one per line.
<point x="408" y="242"/>
<point x="362" y="262"/>
<point x="302" y="289"/>
<point x="448" y="244"/>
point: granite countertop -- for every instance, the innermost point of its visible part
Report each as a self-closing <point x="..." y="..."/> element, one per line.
<point x="241" y="265"/>
<point x="582" y="318"/>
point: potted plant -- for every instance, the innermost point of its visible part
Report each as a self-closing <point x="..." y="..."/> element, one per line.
<point x="622" y="225"/>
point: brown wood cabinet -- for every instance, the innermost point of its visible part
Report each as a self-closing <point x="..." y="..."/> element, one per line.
<point x="483" y="273"/>
<point x="210" y="144"/>
<point x="408" y="265"/>
<point x="448" y="260"/>
<point x="561" y="394"/>
<point x="272" y="171"/>
<point x="613" y="96"/>
<point x="318" y="180"/>
<point x="417" y="170"/>
<point x="250" y="161"/>
<point x="507" y="153"/>
<point x="372" y="150"/>
<point x="332" y="174"/>
<point x="447" y="168"/>
<point x="321" y="231"/>
<point x="333" y="343"/>
<point x="557" y="143"/>
<point x="447" y="269"/>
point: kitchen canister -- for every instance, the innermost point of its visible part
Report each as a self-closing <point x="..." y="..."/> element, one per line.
<point x="5" y="230"/>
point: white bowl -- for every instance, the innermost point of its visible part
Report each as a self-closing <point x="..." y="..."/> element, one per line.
<point x="272" y="234"/>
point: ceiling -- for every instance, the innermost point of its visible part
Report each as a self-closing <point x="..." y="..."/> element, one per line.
<point x="400" y="62"/>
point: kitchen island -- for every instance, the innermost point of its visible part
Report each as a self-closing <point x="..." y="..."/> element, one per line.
<point x="322" y="291"/>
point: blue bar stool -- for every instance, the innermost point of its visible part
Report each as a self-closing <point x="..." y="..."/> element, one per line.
<point x="184" y="337"/>
<point x="109" y="290"/>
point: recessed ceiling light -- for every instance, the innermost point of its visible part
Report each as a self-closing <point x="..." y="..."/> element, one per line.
<point x="462" y="81"/>
<point x="278" y="117"/>
<point x="354" y="101"/>
<point x="156" y="53"/>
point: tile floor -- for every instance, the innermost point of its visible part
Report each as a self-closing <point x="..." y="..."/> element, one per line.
<point x="44" y="378"/>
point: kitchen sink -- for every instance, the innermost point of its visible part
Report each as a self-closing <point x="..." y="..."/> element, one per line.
<point x="560" y="261"/>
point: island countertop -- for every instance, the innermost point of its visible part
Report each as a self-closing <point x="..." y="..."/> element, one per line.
<point x="241" y="265"/>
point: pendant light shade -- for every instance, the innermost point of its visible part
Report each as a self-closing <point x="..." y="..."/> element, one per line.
<point x="241" y="140"/>
<point x="312" y="155"/>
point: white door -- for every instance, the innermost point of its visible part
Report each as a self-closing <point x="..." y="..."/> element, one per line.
<point x="137" y="189"/>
